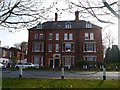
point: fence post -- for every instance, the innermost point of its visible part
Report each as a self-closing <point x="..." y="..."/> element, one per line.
<point x="21" y="69"/>
<point x="62" y="73"/>
<point x="104" y="73"/>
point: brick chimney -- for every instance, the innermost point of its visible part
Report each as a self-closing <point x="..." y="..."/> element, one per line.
<point x="76" y="15"/>
<point x="56" y="16"/>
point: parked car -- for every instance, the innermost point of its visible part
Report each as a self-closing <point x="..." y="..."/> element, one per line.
<point x="2" y="66"/>
<point x="25" y="65"/>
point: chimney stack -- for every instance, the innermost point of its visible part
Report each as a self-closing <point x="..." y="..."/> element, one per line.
<point x="77" y="16"/>
<point x="56" y="16"/>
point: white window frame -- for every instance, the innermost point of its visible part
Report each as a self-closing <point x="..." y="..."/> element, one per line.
<point x="41" y="36"/>
<point x="39" y="26"/>
<point x="89" y="46"/>
<point x="36" y="36"/>
<point x="57" y="47"/>
<point x="36" y="59"/>
<point x="91" y="36"/>
<point x="57" y="36"/>
<point x="65" y="36"/>
<point x="67" y="43"/>
<point x="86" y="36"/>
<point x="50" y="48"/>
<point x="88" y="25"/>
<point x="50" y="36"/>
<point x="70" y="36"/>
<point x="67" y="60"/>
<point x="36" y="47"/>
<point x="68" y="25"/>
<point x="90" y="58"/>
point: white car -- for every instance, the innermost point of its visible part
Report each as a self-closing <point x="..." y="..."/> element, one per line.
<point x="25" y="65"/>
<point x="1" y="65"/>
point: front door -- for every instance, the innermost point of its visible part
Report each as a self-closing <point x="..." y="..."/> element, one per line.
<point x="51" y="63"/>
<point x="56" y="62"/>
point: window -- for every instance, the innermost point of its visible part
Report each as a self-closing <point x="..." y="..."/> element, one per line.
<point x="91" y="36"/>
<point x="68" y="47"/>
<point x="57" y="48"/>
<point x="65" y="36"/>
<point x="42" y="47"/>
<point x="68" y="25"/>
<point x="36" y="36"/>
<point x="89" y="47"/>
<point x="36" y="47"/>
<point x="41" y="36"/>
<point x="90" y="58"/>
<point x="68" y="59"/>
<point x="88" y="25"/>
<point x="39" y="26"/>
<point x="50" y="36"/>
<point x="57" y="36"/>
<point x="36" y="59"/>
<point x="86" y="36"/>
<point x="50" y="48"/>
<point x="70" y="36"/>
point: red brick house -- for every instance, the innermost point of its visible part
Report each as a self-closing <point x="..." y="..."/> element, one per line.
<point x="17" y="53"/>
<point x="63" y="42"/>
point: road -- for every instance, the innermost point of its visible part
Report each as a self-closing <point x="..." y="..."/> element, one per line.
<point x="57" y="74"/>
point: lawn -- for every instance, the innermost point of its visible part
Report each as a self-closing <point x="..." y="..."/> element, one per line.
<point x="57" y="83"/>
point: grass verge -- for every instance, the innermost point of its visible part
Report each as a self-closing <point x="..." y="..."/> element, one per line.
<point x="57" y="83"/>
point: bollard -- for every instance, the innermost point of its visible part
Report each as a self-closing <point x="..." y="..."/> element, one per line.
<point x="69" y="67"/>
<point x="62" y="73"/>
<point x="53" y="67"/>
<point x="104" y="74"/>
<point x="21" y="69"/>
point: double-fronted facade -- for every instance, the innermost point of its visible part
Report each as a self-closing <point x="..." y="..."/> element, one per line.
<point x="56" y="43"/>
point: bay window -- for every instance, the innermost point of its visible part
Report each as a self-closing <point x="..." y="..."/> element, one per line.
<point x="89" y="47"/>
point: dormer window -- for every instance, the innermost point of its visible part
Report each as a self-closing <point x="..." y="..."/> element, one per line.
<point x="68" y="25"/>
<point x="88" y="25"/>
<point x="39" y="26"/>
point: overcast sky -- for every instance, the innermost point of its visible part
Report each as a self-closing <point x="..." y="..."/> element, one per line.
<point x="9" y="39"/>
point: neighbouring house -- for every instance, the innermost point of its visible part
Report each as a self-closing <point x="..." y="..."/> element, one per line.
<point x="56" y="43"/>
<point x="5" y="55"/>
<point x="17" y="54"/>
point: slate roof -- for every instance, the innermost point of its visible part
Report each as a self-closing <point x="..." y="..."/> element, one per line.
<point x="66" y="24"/>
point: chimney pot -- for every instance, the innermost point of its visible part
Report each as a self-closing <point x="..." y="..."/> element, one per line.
<point x="56" y="16"/>
<point x="77" y="16"/>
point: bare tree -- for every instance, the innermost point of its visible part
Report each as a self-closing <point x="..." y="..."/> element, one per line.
<point x="23" y="13"/>
<point x="94" y="8"/>
<point x="23" y="44"/>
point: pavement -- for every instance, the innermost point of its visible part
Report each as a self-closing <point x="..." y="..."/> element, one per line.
<point x="57" y="74"/>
